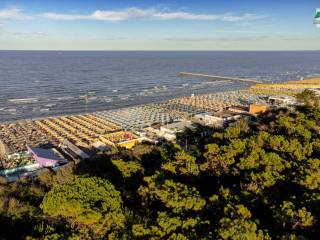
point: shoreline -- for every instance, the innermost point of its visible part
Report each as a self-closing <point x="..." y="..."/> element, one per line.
<point x="288" y="84"/>
<point x="119" y="107"/>
<point x="86" y="128"/>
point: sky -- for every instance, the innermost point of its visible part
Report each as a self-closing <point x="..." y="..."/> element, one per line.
<point x="158" y="25"/>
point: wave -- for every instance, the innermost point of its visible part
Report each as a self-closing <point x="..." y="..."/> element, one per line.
<point x="23" y="100"/>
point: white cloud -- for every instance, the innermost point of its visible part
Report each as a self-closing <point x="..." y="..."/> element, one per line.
<point x="122" y="15"/>
<point x="127" y="14"/>
<point x="151" y="13"/>
<point x="29" y="34"/>
<point x="218" y="39"/>
<point x="13" y="14"/>
<point x="244" y="17"/>
<point x="56" y="16"/>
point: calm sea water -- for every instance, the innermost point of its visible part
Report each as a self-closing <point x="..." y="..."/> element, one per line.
<point x="38" y="84"/>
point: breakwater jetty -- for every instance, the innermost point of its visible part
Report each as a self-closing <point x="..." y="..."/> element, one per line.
<point x="219" y="77"/>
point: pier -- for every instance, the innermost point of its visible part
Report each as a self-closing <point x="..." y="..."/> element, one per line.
<point x="220" y="77"/>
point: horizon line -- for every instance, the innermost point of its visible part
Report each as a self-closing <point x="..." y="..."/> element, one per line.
<point x="157" y="50"/>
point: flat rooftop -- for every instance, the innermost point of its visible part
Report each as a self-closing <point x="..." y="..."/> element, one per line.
<point x="178" y="125"/>
<point x="45" y="153"/>
<point x="119" y="137"/>
<point x="225" y="114"/>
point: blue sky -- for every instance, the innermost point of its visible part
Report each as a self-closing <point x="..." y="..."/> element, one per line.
<point x="158" y="25"/>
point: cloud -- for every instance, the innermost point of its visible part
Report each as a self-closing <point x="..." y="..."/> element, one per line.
<point x="56" y="16"/>
<point x="13" y="14"/>
<point x="111" y="38"/>
<point x="29" y="34"/>
<point x="150" y="13"/>
<point x="241" y="38"/>
<point x="128" y="14"/>
<point x="244" y="17"/>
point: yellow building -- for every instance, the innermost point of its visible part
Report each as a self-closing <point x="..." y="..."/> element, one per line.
<point x="120" y="139"/>
<point x="256" y="109"/>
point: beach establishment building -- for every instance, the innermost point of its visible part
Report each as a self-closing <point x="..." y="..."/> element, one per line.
<point x="169" y="131"/>
<point x="119" y="139"/>
<point x="28" y="163"/>
<point x="238" y="109"/>
<point x="46" y="157"/>
<point x="14" y="174"/>
<point x="217" y="119"/>
<point x="100" y="146"/>
<point x="315" y="90"/>
<point x="257" y="108"/>
<point x="152" y="133"/>
<point x="281" y="101"/>
<point x="72" y="150"/>
<point x="15" y="160"/>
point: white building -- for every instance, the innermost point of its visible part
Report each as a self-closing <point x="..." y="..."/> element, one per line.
<point x="282" y="101"/>
<point x="169" y="131"/>
<point x="218" y="119"/>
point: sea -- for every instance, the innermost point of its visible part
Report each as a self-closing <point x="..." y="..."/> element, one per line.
<point x="36" y="84"/>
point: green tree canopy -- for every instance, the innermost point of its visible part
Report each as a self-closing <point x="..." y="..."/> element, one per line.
<point x="183" y="164"/>
<point x="128" y="169"/>
<point x="308" y="98"/>
<point x="91" y="202"/>
<point x="174" y="195"/>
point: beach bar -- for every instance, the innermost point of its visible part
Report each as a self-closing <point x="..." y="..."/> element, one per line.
<point x="45" y="157"/>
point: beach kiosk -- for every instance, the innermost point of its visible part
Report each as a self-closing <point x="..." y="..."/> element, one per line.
<point x="45" y="157"/>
